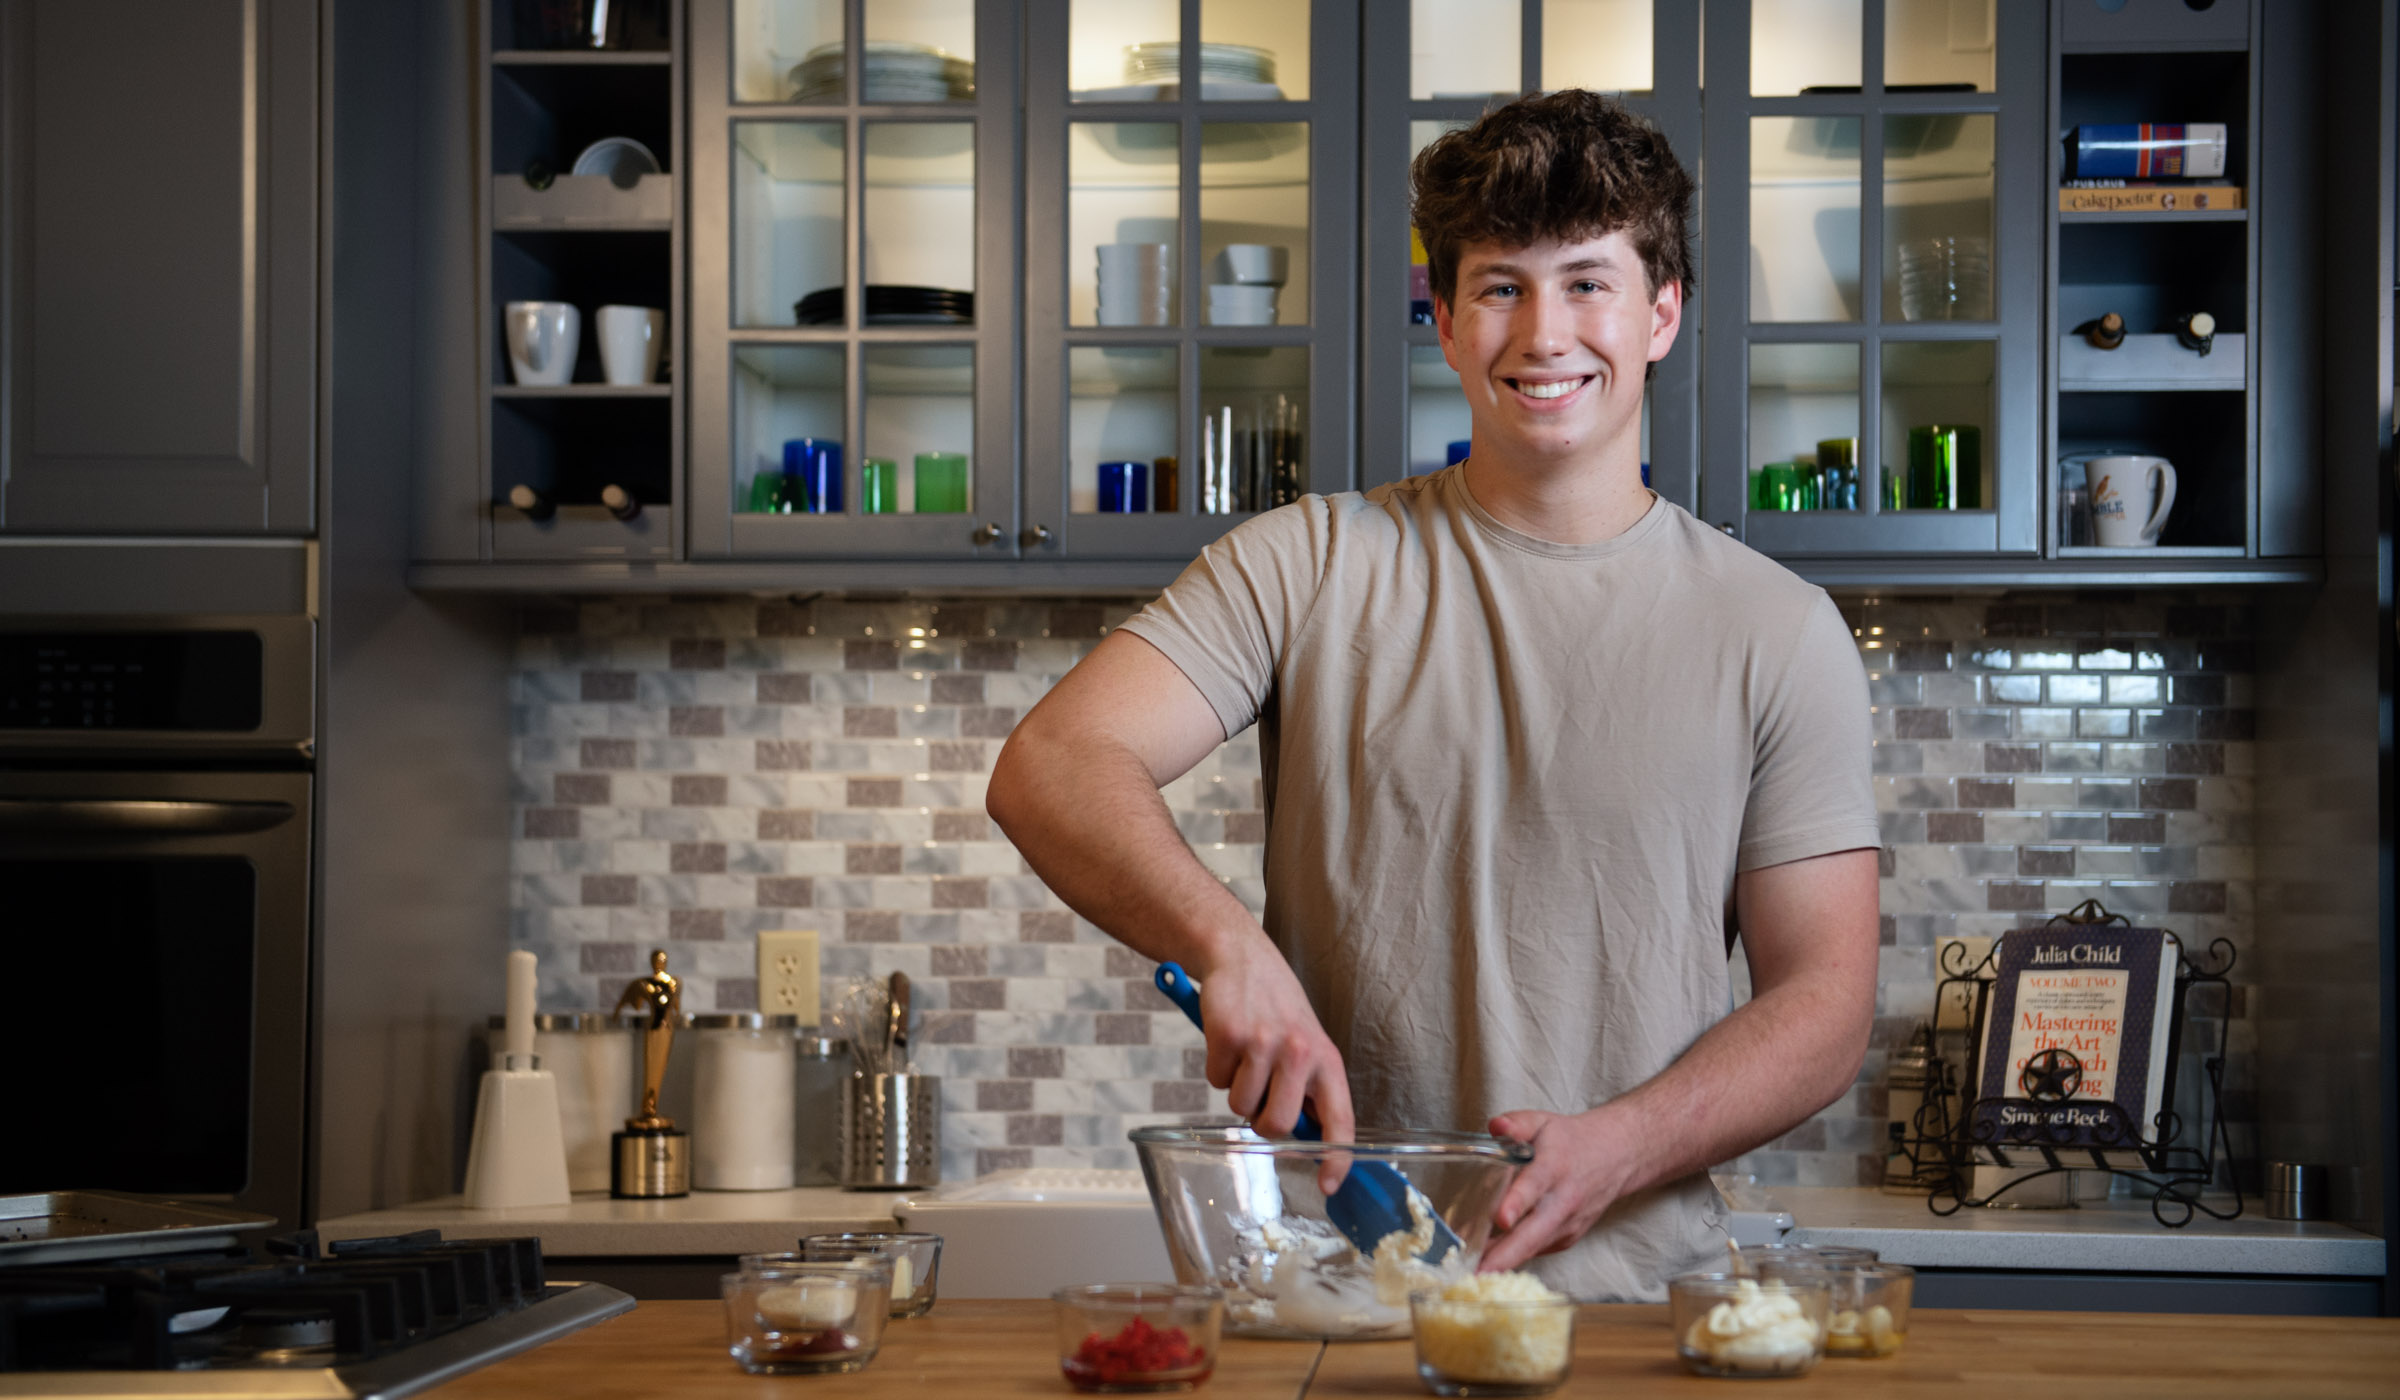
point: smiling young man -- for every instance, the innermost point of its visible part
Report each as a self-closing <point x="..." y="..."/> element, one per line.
<point x="1536" y="743"/>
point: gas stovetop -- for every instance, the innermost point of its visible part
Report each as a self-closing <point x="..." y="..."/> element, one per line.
<point x="381" y="1317"/>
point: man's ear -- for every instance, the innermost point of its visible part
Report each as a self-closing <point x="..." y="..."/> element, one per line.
<point x="1666" y="318"/>
<point x="1443" y="327"/>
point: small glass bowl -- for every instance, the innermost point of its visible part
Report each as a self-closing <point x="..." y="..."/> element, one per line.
<point x="1471" y="1348"/>
<point x="1867" y="1309"/>
<point x="1128" y="1338"/>
<point x="788" y="1317"/>
<point x="1734" y="1325"/>
<point x="916" y="1259"/>
<point x="1820" y="1255"/>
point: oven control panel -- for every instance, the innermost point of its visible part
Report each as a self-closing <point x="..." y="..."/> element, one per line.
<point x="177" y="682"/>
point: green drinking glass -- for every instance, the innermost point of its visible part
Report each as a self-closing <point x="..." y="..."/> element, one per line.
<point x="878" y="486"/>
<point x="941" y="483"/>
<point x="1780" y="486"/>
<point x="1945" y="467"/>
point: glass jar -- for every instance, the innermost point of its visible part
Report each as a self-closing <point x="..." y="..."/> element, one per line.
<point x="743" y="1082"/>
<point x="821" y="1065"/>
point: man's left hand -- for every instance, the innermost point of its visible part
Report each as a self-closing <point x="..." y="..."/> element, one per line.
<point x="1578" y="1171"/>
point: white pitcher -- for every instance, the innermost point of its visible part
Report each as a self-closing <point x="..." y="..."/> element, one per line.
<point x="2130" y="498"/>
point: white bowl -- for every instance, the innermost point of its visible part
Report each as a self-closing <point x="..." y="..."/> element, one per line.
<point x="1252" y="264"/>
<point x="621" y="158"/>
<point x="1235" y="305"/>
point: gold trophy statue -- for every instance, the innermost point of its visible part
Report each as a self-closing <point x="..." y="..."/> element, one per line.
<point x="652" y="1158"/>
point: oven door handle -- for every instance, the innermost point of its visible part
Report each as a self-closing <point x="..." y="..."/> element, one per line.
<point x="138" y="817"/>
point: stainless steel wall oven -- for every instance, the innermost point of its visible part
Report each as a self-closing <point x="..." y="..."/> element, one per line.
<point x="156" y="811"/>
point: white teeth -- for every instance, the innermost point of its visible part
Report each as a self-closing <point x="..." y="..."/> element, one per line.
<point x="1559" y="389"/>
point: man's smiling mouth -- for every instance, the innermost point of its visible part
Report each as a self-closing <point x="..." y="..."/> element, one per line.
<point x="1549" y="389"/>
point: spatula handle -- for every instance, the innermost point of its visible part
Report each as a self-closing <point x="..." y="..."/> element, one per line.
<point x="1184" y="992"/>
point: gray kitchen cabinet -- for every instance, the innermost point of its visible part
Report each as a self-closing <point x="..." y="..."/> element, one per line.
<point x="159" y="198"/>
<point x="1190" y="232"/>
<point x="1873" y="265"/>
<point x="1441" y="70"/>
<point x="854" y="266"/>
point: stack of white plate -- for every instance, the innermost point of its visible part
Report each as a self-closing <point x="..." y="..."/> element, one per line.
<point x="895" y="72"/>
<point x="1219" y="63"/>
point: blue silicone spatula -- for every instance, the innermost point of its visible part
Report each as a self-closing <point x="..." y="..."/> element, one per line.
<point x="1372" y="1201"/>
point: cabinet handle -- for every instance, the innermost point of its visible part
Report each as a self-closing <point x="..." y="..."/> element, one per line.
<point x="536" y="505"/>
<point x="1035" y="536"/>
<point x="621" y="503"/>
<point x="988" y="533"/>
<point x="1727" y="527"/>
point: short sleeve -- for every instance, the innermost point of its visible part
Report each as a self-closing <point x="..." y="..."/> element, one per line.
<point x="1225" y="621"/>
<point x="1812" y="789"/>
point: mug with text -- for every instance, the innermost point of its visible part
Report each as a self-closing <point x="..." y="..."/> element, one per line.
<point x="2130" y="496"/>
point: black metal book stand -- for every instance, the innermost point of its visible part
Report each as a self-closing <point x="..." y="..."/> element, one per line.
<point x="1951" y="1137"/>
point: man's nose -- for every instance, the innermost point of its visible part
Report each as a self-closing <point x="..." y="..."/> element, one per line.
<point x="1548" y="330"/>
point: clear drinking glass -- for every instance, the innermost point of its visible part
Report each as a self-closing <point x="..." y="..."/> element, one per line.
<point x="790" y="1316"/>
<point x="1868" y="1307"/>
<point x="1254" y="420"/>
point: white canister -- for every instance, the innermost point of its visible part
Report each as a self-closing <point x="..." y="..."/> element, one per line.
<point x="743" y="1087"/>
<point x="592" y="1058"/>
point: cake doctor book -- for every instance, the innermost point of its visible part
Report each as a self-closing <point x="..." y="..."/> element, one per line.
<point x="2080" y="1016"/>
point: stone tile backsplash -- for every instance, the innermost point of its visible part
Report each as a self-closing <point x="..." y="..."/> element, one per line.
<point x="689" y="772"/>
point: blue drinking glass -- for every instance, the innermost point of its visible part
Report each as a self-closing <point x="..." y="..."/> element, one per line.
<point x="812" y="471"/>
<point x="1124" y="487"/>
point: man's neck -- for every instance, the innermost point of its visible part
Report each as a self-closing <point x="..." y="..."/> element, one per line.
<point x="1563" y="503"/>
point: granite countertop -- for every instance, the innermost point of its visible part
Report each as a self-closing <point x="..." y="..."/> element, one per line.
<point x="2111" y="1236"/>
<point x="722" y="1223"/>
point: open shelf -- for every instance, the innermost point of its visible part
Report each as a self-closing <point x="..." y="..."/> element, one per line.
<point x="582" y="58"/>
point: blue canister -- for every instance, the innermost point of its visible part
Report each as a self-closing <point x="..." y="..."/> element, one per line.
<point x="1124" y="487"/>
<point x="1457" y="452"/>
<point x="812" y="475"/>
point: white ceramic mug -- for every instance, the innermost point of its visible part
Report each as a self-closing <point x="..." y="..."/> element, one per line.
<point x="543" y="338"/>
<point x="630" y="339"/>
<point x="2130" y="498"/>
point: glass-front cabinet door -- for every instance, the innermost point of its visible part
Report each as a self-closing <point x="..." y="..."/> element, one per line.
<point x="1439" y="71"/>
<point x="853" y="278"/>
<point x="1189" y="302"/>
<point x="1873" y="263"/>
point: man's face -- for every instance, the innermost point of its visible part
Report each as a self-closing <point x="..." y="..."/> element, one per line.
<point x="1552" y="343"/>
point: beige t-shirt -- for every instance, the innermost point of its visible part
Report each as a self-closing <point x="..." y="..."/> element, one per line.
<point x="1508" y="786"/>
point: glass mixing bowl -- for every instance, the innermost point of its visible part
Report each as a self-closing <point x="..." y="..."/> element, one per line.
<point x="1244" y="1213"/>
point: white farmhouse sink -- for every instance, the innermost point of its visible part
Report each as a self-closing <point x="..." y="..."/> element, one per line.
<point x="1028" y="1233"/>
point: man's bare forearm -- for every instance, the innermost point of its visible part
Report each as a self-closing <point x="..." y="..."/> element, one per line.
<point x="1086" y="814"/>
<point x="1752" y="1077"/>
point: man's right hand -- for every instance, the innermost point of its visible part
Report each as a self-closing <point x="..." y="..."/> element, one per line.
<point x="1266" y="1049"/>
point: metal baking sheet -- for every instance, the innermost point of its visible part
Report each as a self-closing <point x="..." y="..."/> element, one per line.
<point x="52" y="1227"/>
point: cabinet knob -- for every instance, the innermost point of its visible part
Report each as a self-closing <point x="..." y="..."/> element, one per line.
<point x="620" y="502"/>
<point x="535" y="504"/>
<point x="988" y="533"/>
<point x="1727" y="527"/>
<point x="1035" y="536"/>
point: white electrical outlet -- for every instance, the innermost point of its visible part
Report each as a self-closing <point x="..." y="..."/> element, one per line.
<point x="787" y="973"/>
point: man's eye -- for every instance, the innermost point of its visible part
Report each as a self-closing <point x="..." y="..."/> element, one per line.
<point x="1501" y="289"/>
<point x="1587" y="287"/>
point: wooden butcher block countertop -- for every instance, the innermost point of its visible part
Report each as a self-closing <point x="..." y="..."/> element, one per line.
<point x="971" y="1347"/>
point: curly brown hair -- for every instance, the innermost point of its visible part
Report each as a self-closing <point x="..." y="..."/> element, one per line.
<point x="1565" y="165"/>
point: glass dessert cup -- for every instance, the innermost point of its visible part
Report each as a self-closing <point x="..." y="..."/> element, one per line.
<point x="1493" y="1348"/>
<point x="1735" y="1325"/>
<point x="1244" y="1214"/>
<point x="1867" y="1308"/>
<point x="1137" y="1338"/>
<point x="915" y="1257"/>
<point x="786" y="1317"/>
